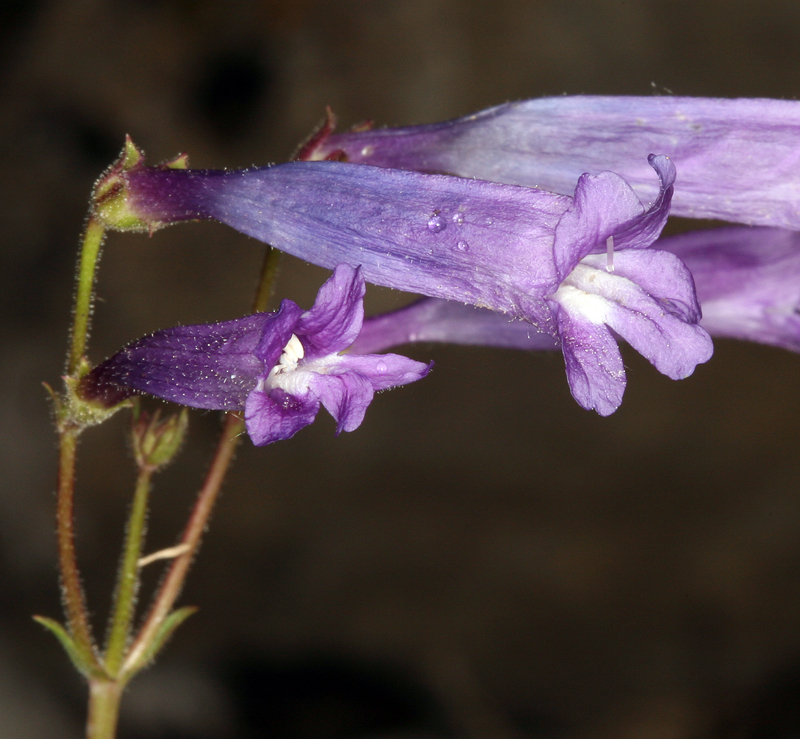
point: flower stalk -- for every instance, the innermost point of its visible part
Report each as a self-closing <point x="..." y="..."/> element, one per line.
<point x="84" y="293"/>
<point x="70" y="424"/>
<point x="140" y="652"/>
<point x="71" y="589"/>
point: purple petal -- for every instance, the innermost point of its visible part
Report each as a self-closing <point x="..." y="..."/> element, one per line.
<point x="335" y="320"/>
<point x="659" y="274"/>
<point x="643" y="230"/>
<point x="738" y="159"/>
<point x="604" y="206"/>
<point x="595" y="371"/>
<point x="277" y="333"/>
<point x="384" y="371"/>
<point x="276" y="415"/>
<point x="345" y="396"/>
<point x="673" y="345"/>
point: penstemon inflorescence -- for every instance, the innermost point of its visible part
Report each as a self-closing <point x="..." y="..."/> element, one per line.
<point x="534" y="225"/>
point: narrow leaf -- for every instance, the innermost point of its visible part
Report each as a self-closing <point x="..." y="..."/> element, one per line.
<point x="171" y="623"/>
<point x="85" y="664"/>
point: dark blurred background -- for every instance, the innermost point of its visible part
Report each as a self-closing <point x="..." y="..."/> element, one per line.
<point x="481" y="558"/>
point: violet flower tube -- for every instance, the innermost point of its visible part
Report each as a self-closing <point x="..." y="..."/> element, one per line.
<point x="739" y="160"/>
<point x="578" y="268"/>
<point x="280" y="368"/>
<point x="747" y="280"/>
<point x="496" y="246"/>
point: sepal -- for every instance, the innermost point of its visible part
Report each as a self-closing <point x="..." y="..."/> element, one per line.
<point x="82" y="406"/>
<point x="111" y="201"/>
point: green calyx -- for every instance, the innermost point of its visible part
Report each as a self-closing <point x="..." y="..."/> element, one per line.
<point x="76" y="409"/>
<point x="111" y="201"/>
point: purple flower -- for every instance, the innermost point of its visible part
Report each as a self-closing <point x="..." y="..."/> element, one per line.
<point x="747" y="280"/>
<point x="278" y="367"/>
<point x="738" y="159"/>
<point x="577" y="268"/>
<point x="593" y="307"/>
<point x="497" y="246"/>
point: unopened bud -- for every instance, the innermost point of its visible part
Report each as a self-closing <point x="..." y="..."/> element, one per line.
<point x="156" y="441"/>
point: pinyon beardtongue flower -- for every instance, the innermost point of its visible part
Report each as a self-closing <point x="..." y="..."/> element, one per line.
<point x="738" y="159"/>
<point x="594" y="307"/>
<point x="278" y="367"/>
<point x="497" y="246"/>
<point x="747" y="280"/>
<point x="577" y="268"/>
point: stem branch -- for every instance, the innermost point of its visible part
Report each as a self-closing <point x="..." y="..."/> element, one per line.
<point x="173" y="584"/>
<point x="128" y="579"/>
<point x="72" y="592"/>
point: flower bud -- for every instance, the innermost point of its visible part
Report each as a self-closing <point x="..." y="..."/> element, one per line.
<point x="156" y="442"/>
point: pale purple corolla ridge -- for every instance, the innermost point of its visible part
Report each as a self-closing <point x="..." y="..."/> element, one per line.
<point x="739" y="159"/>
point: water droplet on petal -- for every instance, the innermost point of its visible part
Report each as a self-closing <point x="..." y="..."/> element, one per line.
<point x="458" y="218"/>
<point x="489" y="221"/>
<point x="436" y="224"/>
<point x="462" y="246"/>
<point x="381" y="367"/>
<point x="367" y="151"/>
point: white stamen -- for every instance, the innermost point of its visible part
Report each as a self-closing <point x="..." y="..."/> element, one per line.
<point x="610" y="254"/>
